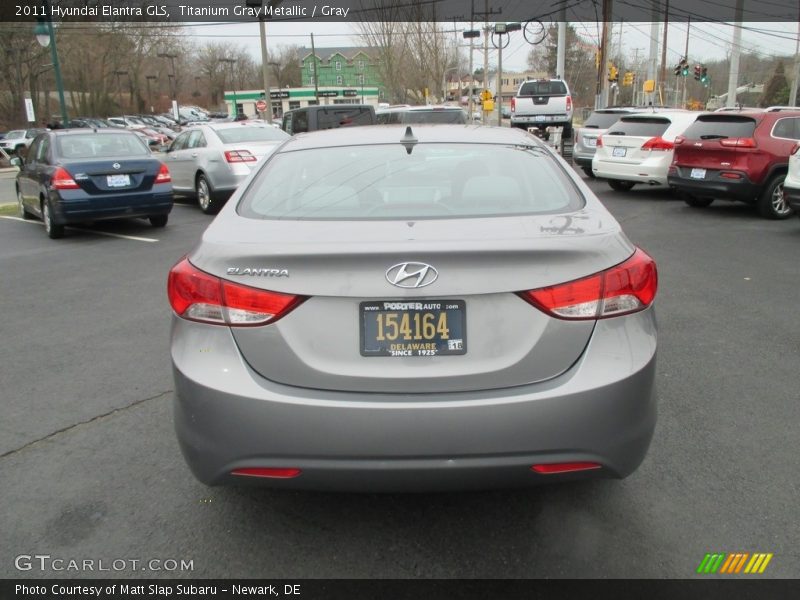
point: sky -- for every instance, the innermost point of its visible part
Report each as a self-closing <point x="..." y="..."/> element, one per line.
<point x="708" y="41"/>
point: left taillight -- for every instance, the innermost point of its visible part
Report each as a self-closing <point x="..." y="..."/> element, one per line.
<point x="657" y="143"/>
<point x="163" y="175"/>
<point x="199" y="296"/>
<point x="62" y="180"/>
<point x="626" y="288"/>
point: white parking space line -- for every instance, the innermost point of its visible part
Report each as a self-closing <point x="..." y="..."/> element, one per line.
<point x="106" y="233"/>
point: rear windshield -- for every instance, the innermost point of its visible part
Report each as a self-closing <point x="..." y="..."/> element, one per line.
<point x="602" y="120"/>
<point x="543" y="88"/>
<point x="246" y="133"/>
<point x="434" y="116"/>
<point x="17" y="133"/>
<point x="642" y="126"/>
<point x="100" y="146"/>
<point x="385" y="182"/>
<point x="708" y="127"/>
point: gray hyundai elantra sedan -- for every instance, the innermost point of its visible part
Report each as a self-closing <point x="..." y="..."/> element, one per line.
<point x="413" y="308"/>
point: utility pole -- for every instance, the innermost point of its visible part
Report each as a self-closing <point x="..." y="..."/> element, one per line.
<point x="605" y="55"/>
<point x="486" y="46"/>
<point x="686" y="56"/>
<point x="561" y="54"/>
<point x="652" y="61"/>
<point x="733" y="74"/>
<point x="663" y="77"/>
<point x="470" y="92"/>
<point x="262" y="29"/>
<point x="316" y="78"/>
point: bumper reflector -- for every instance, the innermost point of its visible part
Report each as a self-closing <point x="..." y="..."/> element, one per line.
<point x="267" y="472"/>
<point x="569" y="467"/>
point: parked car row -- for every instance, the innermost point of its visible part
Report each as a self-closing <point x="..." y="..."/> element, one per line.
<point x="741" y="155"/>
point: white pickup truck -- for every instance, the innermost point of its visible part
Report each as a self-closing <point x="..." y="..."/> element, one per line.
<point x="543" y="103"/>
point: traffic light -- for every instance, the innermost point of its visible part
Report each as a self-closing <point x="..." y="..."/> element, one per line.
<point x="682" y="68"/>
<point x="704" y="78"/>
<point x="697" y="71"/>
<point x="613" y="73"/>
<point x="629" y="78"/>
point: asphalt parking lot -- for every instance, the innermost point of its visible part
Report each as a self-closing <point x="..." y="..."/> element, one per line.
<point x="91" y="469"/>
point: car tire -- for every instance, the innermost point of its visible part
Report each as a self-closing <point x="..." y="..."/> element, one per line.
<point x="620" y="186"/>
<point x="698" y="202"/>
<point x="589" y="172"/>
<point x="159" y="220"/>
<point x="21" y="212"/>
<point x="53" y="230"/>
<point x="772" y="202"/>
<point x="209" y="202"/>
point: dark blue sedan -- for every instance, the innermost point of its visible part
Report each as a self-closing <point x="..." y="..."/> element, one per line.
<point x="78" y="176"/>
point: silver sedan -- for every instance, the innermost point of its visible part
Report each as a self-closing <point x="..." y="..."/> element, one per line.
<point x="408" y="308"/>
<point x="210" y="161"/>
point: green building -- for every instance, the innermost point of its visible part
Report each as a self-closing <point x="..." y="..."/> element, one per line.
<point x="339" y="67"/>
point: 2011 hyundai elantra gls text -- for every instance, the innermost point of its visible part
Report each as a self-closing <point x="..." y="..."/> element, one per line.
<point x="418" y="308"/>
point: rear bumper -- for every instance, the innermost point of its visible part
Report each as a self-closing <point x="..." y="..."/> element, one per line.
<point x="651" y="170"/>
<point x="77" y="210"/>
<point x="601" y="410"/>
<point x="714" y="186"/>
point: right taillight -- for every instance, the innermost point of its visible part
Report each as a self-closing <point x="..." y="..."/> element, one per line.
<point x="199" y="296"/>
<point x="738" y="142"/>
<point x="599" y="143"/>
<point x="239" y="156"/>
<point x="513" y="104"/>
<point x="626" y="288"/>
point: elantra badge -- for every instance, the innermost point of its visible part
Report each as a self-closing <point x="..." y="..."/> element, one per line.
<point x="411" y="275"/>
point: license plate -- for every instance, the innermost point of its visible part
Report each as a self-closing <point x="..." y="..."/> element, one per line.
<point x="590" y="142"/>
<point x="619" y="151"/>
<point x="698" y="174"/>
<point x="413" y="328"/>
<point x="118" y="180"/>
<point x="539" y="118"/>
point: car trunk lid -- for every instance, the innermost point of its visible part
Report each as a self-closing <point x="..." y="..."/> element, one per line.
<point x="502" y="341"/>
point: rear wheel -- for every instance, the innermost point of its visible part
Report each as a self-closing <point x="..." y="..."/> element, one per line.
<point x="772" y="203"/>
<point x="53" y="231"/>
<point x="208" y="201"/>
<point x="159" y="220"/>
<point x="698" y="202"/>
<point x="619" y="185"/>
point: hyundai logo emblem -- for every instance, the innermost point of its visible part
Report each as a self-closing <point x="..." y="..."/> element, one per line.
<point x="411" y="275"/>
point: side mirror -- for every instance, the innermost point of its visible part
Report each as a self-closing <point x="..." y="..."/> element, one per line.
<point x="16" y="161"/>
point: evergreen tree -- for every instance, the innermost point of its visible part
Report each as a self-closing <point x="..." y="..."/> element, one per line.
<point x="776" y="92"/>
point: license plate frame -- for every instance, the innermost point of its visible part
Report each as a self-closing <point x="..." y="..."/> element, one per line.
<point x="619" y="151"/>
<point x="118" y="180"/>
<point x="398" y="344"/>
<point x="697" y="174"/>
<point x="590" y="142"/>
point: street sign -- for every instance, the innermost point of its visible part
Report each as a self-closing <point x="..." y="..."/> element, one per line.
<point x="29" y="110"/>
<point x="261" y="106"/>
<point x="276" y="95"/>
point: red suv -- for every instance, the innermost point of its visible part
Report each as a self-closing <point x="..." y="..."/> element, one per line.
<point x="740" y="156"/>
